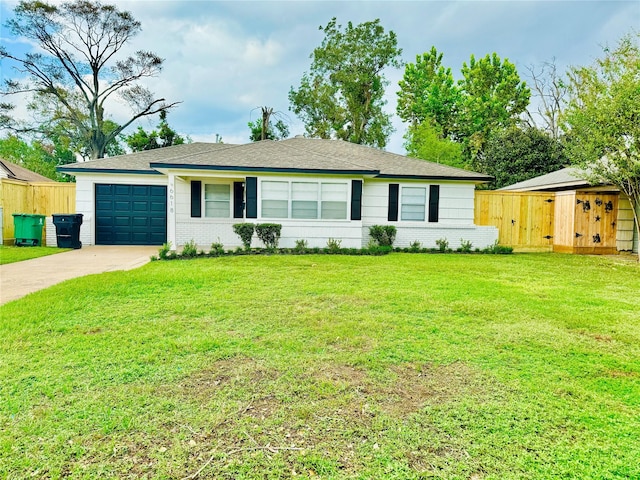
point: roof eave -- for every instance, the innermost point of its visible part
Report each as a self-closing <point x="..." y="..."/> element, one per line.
<point x="226" y="168"/>
<point x="546" y="187"/>
<point x="480" y="179"/>
<point x="73" y="171"/>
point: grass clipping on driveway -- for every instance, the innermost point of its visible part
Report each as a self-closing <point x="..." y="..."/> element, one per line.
<point x="404" y="366"/>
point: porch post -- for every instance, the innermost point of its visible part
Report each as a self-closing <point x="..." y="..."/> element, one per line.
<point x="171" y="211"/>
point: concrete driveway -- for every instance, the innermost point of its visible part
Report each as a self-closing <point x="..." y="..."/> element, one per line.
<point x="21" y="278"/>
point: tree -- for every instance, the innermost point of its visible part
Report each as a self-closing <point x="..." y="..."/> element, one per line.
<point x="493" y="96"/>
<point x="79" y="70"/>
<point x="164" y="136"/>
<point x="276" y="131"/>
<point x="36" y="157"/>
<point x="342" y="95"/>
<point x="428" y="92"/>
<point x="490" y="96"/>
<point x="602" y="119"/>
<point x="550" y="90"/>
<point x="54" y="126"/>
<point x="263" y="129"/>
<point x="514" y="155"/>
<point x="426" y="141"/>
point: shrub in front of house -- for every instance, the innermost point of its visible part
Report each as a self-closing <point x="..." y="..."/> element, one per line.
<point x="384" y="235"/>
<point x="498" y="249"/>
<point x="217" y="249"/>
<point x="190" y="249"/>
<point x="465" y="246"/>
<point x="245" y="232"/>
<point x="443" y="244"/>
<point x="333" y="245"/>
<point x="269" y="234"/>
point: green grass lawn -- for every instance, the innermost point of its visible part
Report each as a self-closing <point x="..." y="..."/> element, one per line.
<point x="402" y="366"/>
<point x="12" y="254"/>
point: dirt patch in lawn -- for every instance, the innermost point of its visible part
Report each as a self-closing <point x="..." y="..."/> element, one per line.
<point x="332" y="410"/>
<point x="236" y="372"/>
<point x="402" y="390"/>
<point x="241" y="411"/>
<point x="418" y="385"/>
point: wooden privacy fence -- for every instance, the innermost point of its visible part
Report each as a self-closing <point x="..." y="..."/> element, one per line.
<point x="43" y="198"/>
<point x="525" y="220"/>
<point x="594" y="221"/>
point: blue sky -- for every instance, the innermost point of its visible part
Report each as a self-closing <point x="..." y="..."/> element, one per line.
<point x="224" y="59"/>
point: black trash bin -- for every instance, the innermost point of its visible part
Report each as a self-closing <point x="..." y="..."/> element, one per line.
<point x="68" y="229"/>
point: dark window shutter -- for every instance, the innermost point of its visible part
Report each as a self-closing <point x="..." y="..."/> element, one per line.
<point x="356" y="199"/>
<point x="252" y="197"/>
<point x="392" y="214"/>
<point x="238" y="199"/>
<point x="196" y="198"/>
<point x="434" y="202"/>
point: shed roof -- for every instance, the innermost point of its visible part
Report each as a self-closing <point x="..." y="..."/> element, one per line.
<point x="565" y="178"/>
<point x="14" y="171"/>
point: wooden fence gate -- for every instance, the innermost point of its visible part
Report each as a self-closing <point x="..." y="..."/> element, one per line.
<point x="525" y="220"/>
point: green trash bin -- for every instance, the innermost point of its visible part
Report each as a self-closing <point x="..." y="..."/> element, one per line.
<point x="28" y="229"/>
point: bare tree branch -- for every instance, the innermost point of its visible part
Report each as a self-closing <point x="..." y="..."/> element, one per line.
<point x="80" y="70"/>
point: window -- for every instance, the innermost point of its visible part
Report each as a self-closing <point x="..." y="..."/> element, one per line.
<point x="275" y="199"/>
<point x="413" y="203"/>
<point x="334" y="201"/>
<point x="304" y="200"/>
<point x="217" y="201"/>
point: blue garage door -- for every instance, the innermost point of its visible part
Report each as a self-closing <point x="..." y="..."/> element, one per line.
<point x="131" y="214"/>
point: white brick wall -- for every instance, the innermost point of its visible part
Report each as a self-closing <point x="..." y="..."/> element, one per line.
<point x="50" y="230"/>
<point x="427" y="234"/>
<point x="205" y="231"/>
<point x="455" y="219"/>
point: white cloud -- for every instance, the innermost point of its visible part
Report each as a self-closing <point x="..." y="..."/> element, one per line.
<point x="223" y="59"/>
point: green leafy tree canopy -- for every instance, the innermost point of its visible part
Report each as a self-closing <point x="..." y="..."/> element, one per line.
<point x="164" y="136"/>
<point x="493" y="97"/>
<point x="342" y="94"/>
<point x="428" y="92"/>
<point x="36" y="156"/>
<point x="275" y="131"/>
<point x="602" y="119"/>
<point x="489" y="97"/>
<point x="515" y="154"/>
<point x="425" y="140"/>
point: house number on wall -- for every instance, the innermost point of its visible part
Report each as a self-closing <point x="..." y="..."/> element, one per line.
<point x="171" y="199"/>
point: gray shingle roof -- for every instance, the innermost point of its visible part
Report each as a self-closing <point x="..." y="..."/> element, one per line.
<point x="563" y="178"/>
<point x="139" y="162"/>
<point x="292" y="155"/>
<point x="266" y="155"/>
<point x="387" y="163"/>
